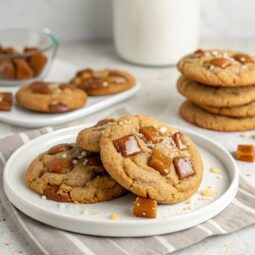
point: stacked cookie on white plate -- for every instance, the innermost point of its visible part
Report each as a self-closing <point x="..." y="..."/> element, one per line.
<point x="134" y="153"/>
<point x="220" y="88"/>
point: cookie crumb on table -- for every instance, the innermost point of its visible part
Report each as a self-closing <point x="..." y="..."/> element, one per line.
<point x="215" y="170"/>
<point x="188" y="202"/>
<point x="187" y="208"/>
<point x="95" y="213"/>
<point x="114" y="216"/>
<point x="61" y="206"/>
<point x="208" y="192"/>
<point x="244" y="135"/>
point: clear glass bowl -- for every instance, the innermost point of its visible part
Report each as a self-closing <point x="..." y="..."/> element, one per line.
<point x="26" y="55"/>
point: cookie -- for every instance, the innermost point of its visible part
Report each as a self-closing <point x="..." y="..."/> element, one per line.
<point x="67" y="174"/>
<point x="196" y="115"/>
<point x="247" y="110"/>
<point x="51" y="97"/>
<point x="103" y="82"/>
<point x="151" y="159"/>
<point x="89" y="138"/>
<point x="219" y="68"/>
<point x="215" y="96"/>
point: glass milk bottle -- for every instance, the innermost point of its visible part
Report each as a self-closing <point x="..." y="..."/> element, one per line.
<point x="155" y="32"/>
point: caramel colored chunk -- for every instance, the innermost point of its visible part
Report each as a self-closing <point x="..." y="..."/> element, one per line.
<point x="5" y="101"/>
<point x="39" y="87"/>
<point x="60" y="165"/>
<point x="58" y="107"/>
<point x="23" y="70"/>
<point x="179" y="141"/>
<point x="94" y="161"/>
<point x="160" y="162"/>
<point x="8" y="50"/>
<point x="127" y="145"/>
<point x="199" y="52"/>
<point x="37" y="62"/>
<point x="85" y="73"/>
<point x="7" y="71"/>
<point x="67" y="86"/>
<point x="60" y="148"/>
<point x="243" y="58"/>
<point x="145" y="207"/>
<point x="245" y="152"/>
<point x="104" y="122"/>
<point x="183" y="167"/>
<point x="220" y="62"/>
<point x="151" y="134"/>
<point x="51" y="192"/>
<point x="89" y="85"/>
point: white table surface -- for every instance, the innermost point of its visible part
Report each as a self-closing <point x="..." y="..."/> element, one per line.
<point x="158" y="97"/>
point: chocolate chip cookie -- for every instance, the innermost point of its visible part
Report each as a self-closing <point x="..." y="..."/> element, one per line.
<point x="224" y="68"/>
<point x="151" y="159"/>
<point x="215" y="96"/>
<point x="103" y="82"/>
<point x="196" y="115"/>
<point x="66" y="173"/>
<point x="51" y="97"/>
<point x="89" y="138"/>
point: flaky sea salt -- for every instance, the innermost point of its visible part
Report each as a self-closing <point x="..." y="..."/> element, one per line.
<point x="83" y="153"/>
<point x="163" y="130"/>
<point x="85" y="162"/>
<point x="64" y="155"/>
<point x="75" y="161"/>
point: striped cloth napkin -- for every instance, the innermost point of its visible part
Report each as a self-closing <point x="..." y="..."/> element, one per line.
<point x="48" y="240"/>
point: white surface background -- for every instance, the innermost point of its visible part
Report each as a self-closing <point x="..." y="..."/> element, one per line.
<point x="164" y="106"/>
<point x="77" y="20"/>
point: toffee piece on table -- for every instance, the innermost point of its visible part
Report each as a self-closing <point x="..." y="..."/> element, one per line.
<point x="245" y="152"/>
<point x="6" y="101"/>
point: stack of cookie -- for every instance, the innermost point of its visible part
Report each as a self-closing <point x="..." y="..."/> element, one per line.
<point x="220" y="88"/>
<point x="135" y="153"/>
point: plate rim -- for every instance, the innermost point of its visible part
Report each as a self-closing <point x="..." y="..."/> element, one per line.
<point x="229" y="192"/>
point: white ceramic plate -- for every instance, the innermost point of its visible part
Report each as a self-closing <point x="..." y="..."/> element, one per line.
<point x="94" y="219"/>
<point x="61" y="71"/>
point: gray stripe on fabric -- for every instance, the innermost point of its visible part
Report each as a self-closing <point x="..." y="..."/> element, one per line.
<point x="142" y="245"/>
<point x="234" y="217"/>
<point x="50" y="239"/>
<point x="102" y="245"/>
<point x="187" y="237"/>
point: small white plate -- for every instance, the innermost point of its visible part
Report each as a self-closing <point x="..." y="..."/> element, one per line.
<point x="61" y="71"/>
<point x="94" y="219"/>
